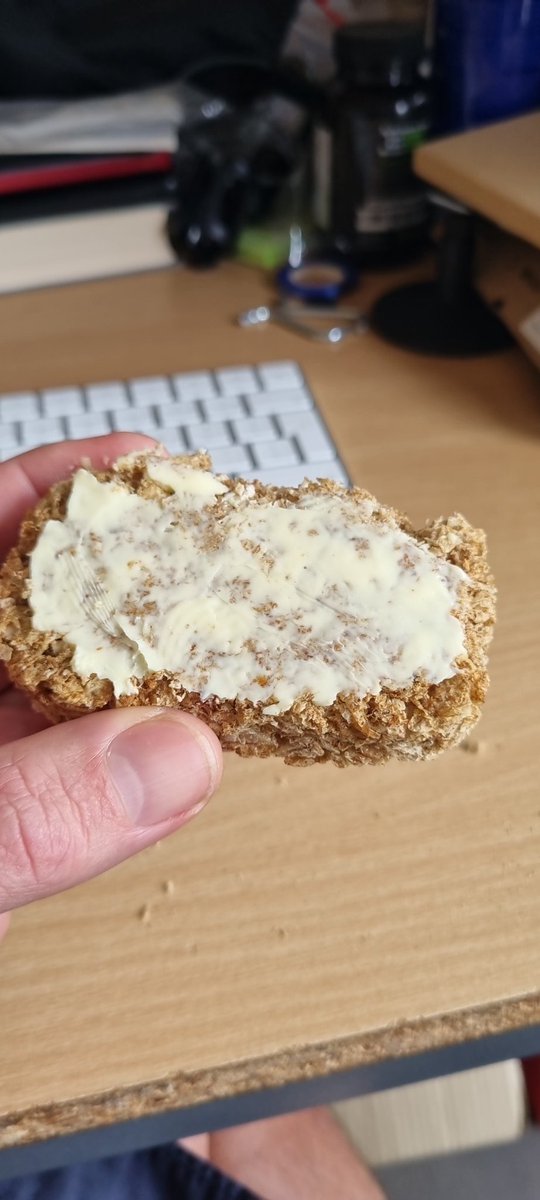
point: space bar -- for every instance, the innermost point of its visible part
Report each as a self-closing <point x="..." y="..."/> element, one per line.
<point x="293" y="476"/>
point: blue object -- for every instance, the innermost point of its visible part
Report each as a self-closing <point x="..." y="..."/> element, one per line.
<point x="487" y="61"/>
<point x="166" y="1173"/>
<point x="318" y="281"/>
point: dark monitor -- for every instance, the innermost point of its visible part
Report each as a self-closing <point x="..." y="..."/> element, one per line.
<point x="68" y="48"/>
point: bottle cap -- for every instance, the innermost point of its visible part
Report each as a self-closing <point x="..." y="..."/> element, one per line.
<point x="318" y="281"/>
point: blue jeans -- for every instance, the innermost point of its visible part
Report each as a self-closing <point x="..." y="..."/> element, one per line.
<point x="165" y="1173"/>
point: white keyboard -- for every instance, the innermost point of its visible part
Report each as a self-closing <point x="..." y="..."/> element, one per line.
<point x="259" y="422"/>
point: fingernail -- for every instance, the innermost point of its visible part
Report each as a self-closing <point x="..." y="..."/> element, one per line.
<point x="162" y="768"/>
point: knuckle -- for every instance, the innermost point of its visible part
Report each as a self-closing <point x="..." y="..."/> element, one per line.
<point x="41" y="830"/>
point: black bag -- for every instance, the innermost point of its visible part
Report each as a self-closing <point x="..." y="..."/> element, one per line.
<point x="63" y="48"/>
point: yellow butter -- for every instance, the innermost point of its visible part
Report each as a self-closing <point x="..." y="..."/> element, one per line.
<point x="239" y="598"/>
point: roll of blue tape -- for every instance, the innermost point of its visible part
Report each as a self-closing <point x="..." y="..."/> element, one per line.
<point x="318" y="282"/>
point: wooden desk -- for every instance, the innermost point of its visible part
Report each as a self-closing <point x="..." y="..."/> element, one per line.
<point x="494" y="170"/>
<point x="320" y="920"/>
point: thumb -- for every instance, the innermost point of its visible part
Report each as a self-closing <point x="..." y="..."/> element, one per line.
<point x="80" y="797"/>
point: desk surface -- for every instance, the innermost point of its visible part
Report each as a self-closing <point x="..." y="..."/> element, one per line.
<point x="320" y="919"/>
<point x="495" y="170"/>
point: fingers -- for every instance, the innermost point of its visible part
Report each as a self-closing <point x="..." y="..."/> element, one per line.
<point x="78" y="798"/>
<point x="25" y="478"/>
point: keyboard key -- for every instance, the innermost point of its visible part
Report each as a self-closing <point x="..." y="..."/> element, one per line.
<point x="42" y="431"/>
<point x="280" y="376"/>
<point x="156" y="390"/>
<point x="173" y="439"/>
<point x="197" y="385"/>
<point x="280" y="453"/>
<point x="179" y="414"/>
<point x="273" y="427"/>
<point x="328" y="470"/>
<point x="8" y="436"/>
<point x="62" y="402"/>
<point x="237" y="381"/>
<point x="312" y="437"/>
<point x="102" y="397"/>
<point x="88" y="425"/>
<point x="212" y="435"/>
<point x="231" y="460"/>
<point x="135" y="420"/>
<point x="19" y="406"/>
<point x="225" y="408"/>
<point x="254" y="429"/>
<point x="293" y="476"/>
<point x="268" y="404"/>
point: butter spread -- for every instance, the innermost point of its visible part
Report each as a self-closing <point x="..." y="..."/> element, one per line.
<point x="196" y="488"/>
<point x="242" y="597"/>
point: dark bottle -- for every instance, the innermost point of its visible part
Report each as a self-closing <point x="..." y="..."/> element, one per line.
<point x="367" y="199"/>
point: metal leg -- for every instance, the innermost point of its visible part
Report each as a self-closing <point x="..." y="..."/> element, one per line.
<point x="445" y="316"/>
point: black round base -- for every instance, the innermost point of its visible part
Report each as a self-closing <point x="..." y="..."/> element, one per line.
<point x="415" y="318"/>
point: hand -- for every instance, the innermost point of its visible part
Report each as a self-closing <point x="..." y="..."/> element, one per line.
<point x="77" y="798"/>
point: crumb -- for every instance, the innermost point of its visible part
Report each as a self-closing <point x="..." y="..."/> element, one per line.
<point x="144" y="914"/>
<point x="192" y="948"/>
<point x="281" y="933"/>
<point x="472" y="746"/>
<point x="281" y="781"/>
<point x="168" y="887"/>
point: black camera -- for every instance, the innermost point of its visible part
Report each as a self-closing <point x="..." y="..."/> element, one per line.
<point x="229" y="168"/>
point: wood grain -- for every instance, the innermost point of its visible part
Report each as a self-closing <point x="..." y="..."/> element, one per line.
<point x="494" y="170"/>
<point x="319" y="918"/>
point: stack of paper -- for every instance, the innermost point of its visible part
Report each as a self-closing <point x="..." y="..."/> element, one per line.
<point x="132" y="121"/>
